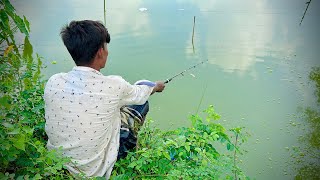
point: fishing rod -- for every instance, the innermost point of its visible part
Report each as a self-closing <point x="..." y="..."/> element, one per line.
<point x="181" y="73"/>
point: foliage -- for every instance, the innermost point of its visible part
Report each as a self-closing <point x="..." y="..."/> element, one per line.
<point x="10" y="23"/>
<point x="23" y="140"/>
<point x="184" y="153"/>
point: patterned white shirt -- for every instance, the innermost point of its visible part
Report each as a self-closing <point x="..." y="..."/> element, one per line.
<point x="82" y="111"/>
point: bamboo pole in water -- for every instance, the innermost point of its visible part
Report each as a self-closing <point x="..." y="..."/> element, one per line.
<point x="194" y="22"/>
<point x="104" y="12"/>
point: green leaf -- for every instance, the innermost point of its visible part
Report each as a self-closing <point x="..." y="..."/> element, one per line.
<point x="28" y="50"/>
<point x="3" y="176"/>
<point x="8" y="6"/>
<point x="215" y="137"/>
<point x="4" y="101"/>
<point x="27" y="23"/>
<point x="27" y="130"/>
<point x="204" y="163"/>
<point x="198" y="150"/>
<point x="231" y="147"/>
<point x="14" y="131"/>
<point x="20" y="24"/>
<point x="228" y="146"/>
<point x="166" y="154"/>
<point x="25" y="120"/>
<point x="37" y="176"/>
<point x="133" y="164"/>
<point x="187" y="148"/>
<point x="19" y="142"/>
<point x="145" y="155"/>
<point x="4" y="18"/>
<point x="193" y="120"/>
<point x="8" y="125"/>
<point x="159" y="153"/>
<point x="205" y="135"/>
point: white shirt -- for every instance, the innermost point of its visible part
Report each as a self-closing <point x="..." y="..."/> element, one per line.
<point x="82" y="111"/>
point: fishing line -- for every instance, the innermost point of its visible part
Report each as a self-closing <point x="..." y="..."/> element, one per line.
<point x="204" y="91"/>
<point x="181" y="73"/>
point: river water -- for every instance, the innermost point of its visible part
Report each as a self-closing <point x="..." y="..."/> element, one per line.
<point x="259" y="59"/>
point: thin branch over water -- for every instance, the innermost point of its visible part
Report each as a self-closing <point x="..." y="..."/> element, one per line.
<point x="308" y="3"/>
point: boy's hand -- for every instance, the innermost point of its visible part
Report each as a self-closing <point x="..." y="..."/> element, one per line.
<point x="159" y="86"/>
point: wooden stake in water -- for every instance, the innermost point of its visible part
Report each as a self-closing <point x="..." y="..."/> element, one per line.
<point x="104" y="12"/>
<point x="194" y="23"/>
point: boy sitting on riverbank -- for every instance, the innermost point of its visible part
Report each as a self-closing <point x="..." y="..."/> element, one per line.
<point x="82" y="107"/>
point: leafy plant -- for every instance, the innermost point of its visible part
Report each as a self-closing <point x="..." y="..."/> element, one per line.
<point x="184" y="153"/>
<point x="23" y="139"/>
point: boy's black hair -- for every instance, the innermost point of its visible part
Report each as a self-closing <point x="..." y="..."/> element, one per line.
<point x="83" y="39"/>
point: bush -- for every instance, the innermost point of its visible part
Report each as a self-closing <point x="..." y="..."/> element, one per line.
<point x="185" y="153"/>
<point x="23" y="140"/>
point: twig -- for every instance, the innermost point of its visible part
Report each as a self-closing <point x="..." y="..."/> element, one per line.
<point x="305" y="11"/>
<point x="234" y="157"/>
<point x="150" y="175"/>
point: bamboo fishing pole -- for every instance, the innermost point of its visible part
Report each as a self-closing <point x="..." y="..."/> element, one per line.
<point x="181" y="73"/>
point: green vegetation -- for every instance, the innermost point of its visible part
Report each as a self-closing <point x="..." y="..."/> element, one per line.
<point x="186" y="153"/>
<point x="23" y="140"/>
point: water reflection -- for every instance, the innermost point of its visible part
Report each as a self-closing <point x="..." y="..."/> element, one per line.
<point x="232" y="34"/>
<point x="124" y="19"/>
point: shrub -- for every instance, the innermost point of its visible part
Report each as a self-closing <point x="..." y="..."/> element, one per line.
<point x="184" y="153"/>
<point x="23" y="140"/>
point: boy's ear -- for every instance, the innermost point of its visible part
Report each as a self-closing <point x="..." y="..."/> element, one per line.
<point x="99" y="53"/>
